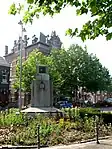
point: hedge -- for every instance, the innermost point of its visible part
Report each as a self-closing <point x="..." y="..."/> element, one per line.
<point x="89" y="112"/>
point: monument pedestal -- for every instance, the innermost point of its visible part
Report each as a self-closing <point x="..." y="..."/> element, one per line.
<point x="41" y="110"/>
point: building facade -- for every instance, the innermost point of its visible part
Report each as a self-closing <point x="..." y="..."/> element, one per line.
<point x="44" y="44"/>
<point x="4" y="81"/>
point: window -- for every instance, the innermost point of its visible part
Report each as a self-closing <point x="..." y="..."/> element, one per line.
<point x="4" y="76"/>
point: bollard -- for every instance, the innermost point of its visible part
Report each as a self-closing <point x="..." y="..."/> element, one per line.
<point x="38" y="135"/>
<point x="97" y="131"/>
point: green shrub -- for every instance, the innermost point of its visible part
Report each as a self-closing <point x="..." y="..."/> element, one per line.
<point x="91" y="112"/>
<point x="77" y="113"/>
<point x="12" y="117"/>
<point x="88" y="112"/>
<point x="13" y="128"/>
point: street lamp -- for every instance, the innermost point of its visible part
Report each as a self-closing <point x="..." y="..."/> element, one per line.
<point x="20" y="81"/>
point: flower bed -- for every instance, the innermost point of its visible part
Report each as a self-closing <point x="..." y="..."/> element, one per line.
<point x="18" y="129"/>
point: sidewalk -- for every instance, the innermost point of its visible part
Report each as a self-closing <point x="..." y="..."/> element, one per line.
<point x="104" y="144"/>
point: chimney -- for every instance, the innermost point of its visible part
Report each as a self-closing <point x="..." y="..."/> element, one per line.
<point x="6" y="50"/>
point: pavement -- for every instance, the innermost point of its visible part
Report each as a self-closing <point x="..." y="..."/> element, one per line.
<point x="106" y="109"/>
<point x="104" y="144"/>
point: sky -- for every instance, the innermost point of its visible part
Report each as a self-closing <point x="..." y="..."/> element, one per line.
<point x="10" y="31"/>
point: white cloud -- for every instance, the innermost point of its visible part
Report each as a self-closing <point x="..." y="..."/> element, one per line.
<point x="10" y="30"/>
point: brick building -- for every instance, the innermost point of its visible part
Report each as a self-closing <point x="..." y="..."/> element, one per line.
<point x="43" y="43"/>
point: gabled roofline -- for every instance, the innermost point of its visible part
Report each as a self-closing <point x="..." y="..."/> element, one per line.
<point x="39" y="42"/>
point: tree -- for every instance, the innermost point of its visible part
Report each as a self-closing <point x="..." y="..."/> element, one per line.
<point x="29" y="70"/>
<point x="93" y="75"/>
<point x="69" y="69"/>
<point x="109" y="87"/>
<point x="87" y="70"/>
<point x="100" y="11"/>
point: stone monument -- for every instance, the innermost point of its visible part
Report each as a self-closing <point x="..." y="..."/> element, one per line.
<point x="41" y="92"/>
<point x="40" y="88"/>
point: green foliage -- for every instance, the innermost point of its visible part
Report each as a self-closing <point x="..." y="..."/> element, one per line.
<point x="100" y="11"/>
<point x="68" y="70"/>
<point x="109" y="87"/>
<point x="11" y="117"/>
<point x="29" y="70"/>
<point x="22" y="130"/>
<point x="89" y="112"/>
<point x="88" y="70"/>
<point x="78" y="68"/>
<point x="83" y="113"/>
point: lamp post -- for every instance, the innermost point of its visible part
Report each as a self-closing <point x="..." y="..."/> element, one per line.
<point x="20" y="81"/>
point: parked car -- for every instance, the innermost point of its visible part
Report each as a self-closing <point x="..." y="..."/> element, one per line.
<point x="63" y="104"/>
<point x="108" y="101"/>
<point x="104" y="103"/>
